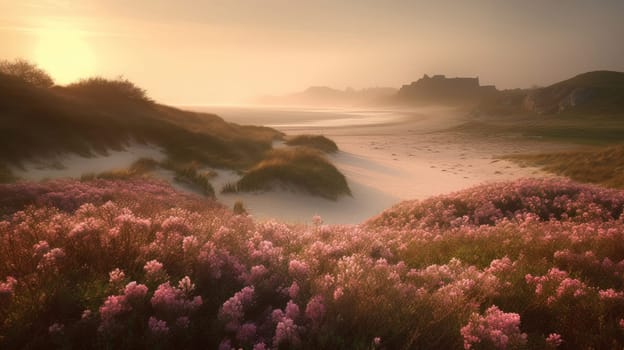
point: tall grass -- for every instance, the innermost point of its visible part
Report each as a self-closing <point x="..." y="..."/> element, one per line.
<point x="192" y="174"/>
<point x="304" y="168"/>
<point x="603" y="165"/>
<point x="318" y="142"/>
<point x="96" y="114"/>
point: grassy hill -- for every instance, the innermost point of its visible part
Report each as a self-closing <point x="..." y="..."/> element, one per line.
<point x="97" y="114"/>
<point x="593" y="93"/>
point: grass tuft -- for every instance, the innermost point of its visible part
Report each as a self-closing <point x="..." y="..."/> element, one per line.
<point x="603" y="166"/>
<point x="318" y="142"/>
<point x="304" y="168"/>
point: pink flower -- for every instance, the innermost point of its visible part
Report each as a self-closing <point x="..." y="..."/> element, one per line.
<point x="134" y="291"/>
<point x="610" y="294"/>
<point x="41" y="248"/>
<point x="233" y="309"/>
<point x="153" y="269"/>
<point x="246" y="333"/>
<point x="260" y="346"/>
<point x="554" y="340"/>
<point x="174" y="300"/>
<point x="292" y="310"/>
<point x="116" y="276"/>
<point x="157" y="327"/>
<point x="183" y="322"/>
<point x="338" y="293"/>
<point x="286" y="332"/>
<point x="56" y="328"/>
<point x="51" y="258"/>
<point x="298" y="269"/>
<point x="315" y="310"/>
<point x="498" y="328"/>
<point x="8" y="287"/>
<point x="317" y="220"/>
<point x="189" y="243"/>
<point x="258" y="272"/>
<point x="113" y="306"/>
<point x="186" y="286"/>
<point x="176" y="224"/>
<point x="86" y="315"/>
<point x="293" y="290"/>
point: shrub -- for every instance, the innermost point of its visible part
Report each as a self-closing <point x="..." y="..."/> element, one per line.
<point x="109" y="89"/>
<point x="27" y="72"/>
<point x="317" y="142"/>
<point x="304" y="168"/>
<point x="239" y="208"/>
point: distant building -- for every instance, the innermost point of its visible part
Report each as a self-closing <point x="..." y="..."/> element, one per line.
<point x="439" y="88"/>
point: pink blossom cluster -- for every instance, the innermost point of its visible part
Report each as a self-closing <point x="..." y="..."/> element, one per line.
<point x="8" y="286"/>
<point x="143" y="266"/>
<point x="498" y="328"/>
<point x="178" y="301"/>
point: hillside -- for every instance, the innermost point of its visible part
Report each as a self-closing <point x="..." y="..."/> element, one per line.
<point x="135" y="264"/>
<point x="598" y="92"/>
<point x="592" y="92"/>
<point x="97" y="115"/>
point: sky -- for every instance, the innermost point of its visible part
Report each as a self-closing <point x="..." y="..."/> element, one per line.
<point x="189" y="52"/>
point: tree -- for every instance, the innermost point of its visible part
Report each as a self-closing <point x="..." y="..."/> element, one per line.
<point x="26" y="71"/>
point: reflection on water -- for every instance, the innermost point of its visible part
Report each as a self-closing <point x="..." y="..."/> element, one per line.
<point x="288" y="118"/>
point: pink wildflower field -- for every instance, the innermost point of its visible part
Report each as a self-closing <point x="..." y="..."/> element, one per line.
<point x="102" y="264"/>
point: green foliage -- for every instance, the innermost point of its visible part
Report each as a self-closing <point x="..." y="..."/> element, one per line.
<point x="302" y="167"/>
<point x="317" y="142"/>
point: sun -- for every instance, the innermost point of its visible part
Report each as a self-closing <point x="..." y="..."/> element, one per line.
<point x="64" y="54"/>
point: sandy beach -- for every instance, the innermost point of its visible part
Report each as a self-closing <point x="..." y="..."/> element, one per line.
<point x="386" y="155"/>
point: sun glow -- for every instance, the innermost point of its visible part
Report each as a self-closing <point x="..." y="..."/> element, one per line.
<point x="64" y="54"/>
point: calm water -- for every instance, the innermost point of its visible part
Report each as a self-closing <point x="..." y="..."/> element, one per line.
<point x="288" y="118"/>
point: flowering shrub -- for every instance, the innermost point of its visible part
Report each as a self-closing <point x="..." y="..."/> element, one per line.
<point x="499" y="329"/>
<point x="134" y="264"/>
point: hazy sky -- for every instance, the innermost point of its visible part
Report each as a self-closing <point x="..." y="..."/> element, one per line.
<point x="226" y="51"/>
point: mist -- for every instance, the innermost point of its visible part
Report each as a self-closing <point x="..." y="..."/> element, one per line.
<point x="224" y="52"/>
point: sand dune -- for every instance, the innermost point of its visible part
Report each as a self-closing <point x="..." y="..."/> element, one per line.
<point x="387" y="156"/>
<point x="412" y="156"/>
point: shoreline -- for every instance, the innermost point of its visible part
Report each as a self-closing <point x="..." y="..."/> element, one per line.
<point x="413" y="156"/>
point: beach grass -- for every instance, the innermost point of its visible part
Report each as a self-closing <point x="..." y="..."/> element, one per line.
<point x="318" y="142"/>
<point x="302" y="167"/>
<point x="96" y="115"/>
<point x="602" y="165"/>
